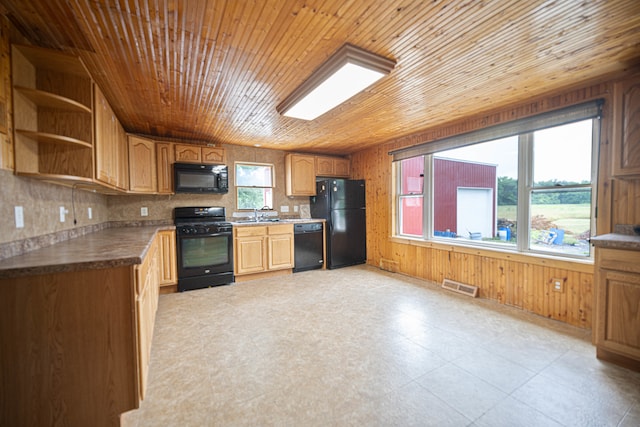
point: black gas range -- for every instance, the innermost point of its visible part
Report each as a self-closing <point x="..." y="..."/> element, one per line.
<point x="204" y="247"/>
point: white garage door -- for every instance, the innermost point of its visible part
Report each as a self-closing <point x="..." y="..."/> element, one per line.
<point x="475" y="211"/>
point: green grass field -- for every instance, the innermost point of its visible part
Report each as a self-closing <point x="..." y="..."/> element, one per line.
<point x="574" y="219"/>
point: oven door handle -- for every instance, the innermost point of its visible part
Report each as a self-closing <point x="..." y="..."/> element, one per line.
<point x="224" y="233"/>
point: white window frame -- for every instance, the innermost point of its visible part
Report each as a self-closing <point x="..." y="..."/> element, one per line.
<point x="525" y="190"/>
<point x="238" y="187"/>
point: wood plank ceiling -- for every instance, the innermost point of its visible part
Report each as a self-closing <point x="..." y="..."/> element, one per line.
<point x="215" y="70"/>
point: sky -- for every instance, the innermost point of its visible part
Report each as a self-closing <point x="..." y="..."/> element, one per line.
<point x="562" y="153"/>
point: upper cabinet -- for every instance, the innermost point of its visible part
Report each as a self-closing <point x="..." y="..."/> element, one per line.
<point x="626" y="128"/>
<point x="332" y="166"/>
<point x="186" y="153"/>
<point x="111" y="158"/>
<point x="164" y="160"/>
<point x="142" y="165"/>
<point x="301" y="171"/>
<point x="53" y="123"/>
<point x="300" y="175"/>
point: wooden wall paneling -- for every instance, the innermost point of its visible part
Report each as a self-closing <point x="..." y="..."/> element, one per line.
<point x="6" y="98"/>
<point x="604" y="219"/>
<point x="528" y="295"/>
<point x="586" y="300"/>
<point x="419" y="256"/>
<point x="541" y="303"/>
<point x="513" y="291"/>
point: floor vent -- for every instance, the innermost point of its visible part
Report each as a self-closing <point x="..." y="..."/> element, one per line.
<point x="461" y="288"/>
<point x="389" y="265"/>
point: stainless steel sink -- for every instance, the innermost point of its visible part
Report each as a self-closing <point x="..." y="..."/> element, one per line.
<point x="253" y="221"/>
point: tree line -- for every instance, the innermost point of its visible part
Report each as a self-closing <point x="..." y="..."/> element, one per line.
<point x="508" y="193"/>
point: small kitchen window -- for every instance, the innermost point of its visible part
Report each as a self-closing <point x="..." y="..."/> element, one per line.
<point x="254" y="185"/>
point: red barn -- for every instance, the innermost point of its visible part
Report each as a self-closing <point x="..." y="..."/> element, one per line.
<point x="464" y="198"/>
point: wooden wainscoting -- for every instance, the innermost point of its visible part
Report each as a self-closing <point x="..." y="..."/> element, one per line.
<point x="515" y="280"/>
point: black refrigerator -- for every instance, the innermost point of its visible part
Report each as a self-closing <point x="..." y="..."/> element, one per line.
<point x="341" y="202"/>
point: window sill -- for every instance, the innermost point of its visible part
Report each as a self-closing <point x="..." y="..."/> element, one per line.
<point x="583" y="266"/>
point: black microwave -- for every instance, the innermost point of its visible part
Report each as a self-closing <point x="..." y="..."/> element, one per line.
<point x="200" y="179"/>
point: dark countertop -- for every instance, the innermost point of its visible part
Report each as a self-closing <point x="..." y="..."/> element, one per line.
<point x="112" y="247"/>
<point x="626" y="237"/>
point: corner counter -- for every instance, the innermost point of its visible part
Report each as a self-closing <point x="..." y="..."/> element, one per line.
<point x="112" y="247"/>
<point x="76" y="323"/>
<point x="617" y="293"/>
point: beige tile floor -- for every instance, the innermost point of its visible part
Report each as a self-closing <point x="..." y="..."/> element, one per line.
<point x="363" y="347"/>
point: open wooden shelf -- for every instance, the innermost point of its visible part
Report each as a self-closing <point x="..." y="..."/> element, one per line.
<point x="44" y="58"/>
<point x="53" y="138"/>
<point x="50" y="100"/>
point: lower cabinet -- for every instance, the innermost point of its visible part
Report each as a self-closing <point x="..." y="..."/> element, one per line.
<point x="617" y="325"/>
<point x="78" y="348"/>
<point x="169" y="264"/>
<point x="147" y="284"/>
<point x="263" y="248"/>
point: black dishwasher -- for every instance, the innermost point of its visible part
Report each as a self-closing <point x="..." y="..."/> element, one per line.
<point x="308" y="243"/>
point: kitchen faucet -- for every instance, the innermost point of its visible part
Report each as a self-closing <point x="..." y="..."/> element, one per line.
<point x="255" y="212"/>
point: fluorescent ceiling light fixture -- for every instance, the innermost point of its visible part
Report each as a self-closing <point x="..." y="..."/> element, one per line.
<point x="347" y="72"/>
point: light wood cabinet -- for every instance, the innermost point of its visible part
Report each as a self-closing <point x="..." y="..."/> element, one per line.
<point x="189" y="153"/>
<point x="250" y="251"/>
<point x="105" y="158"/>
<point x="111" y="159"/>
<point x="169" y="265"/>
<point x="300" y="175"/>
<point x="147" y="283"/>
<point x="53" y="124"/>
<point x="165" y="156"/>
<point x="280" y="247"/>
<point x="214" y="155"/>
<point x="122" y="158"/>
<point x="332" y="166"/>
<point x="617" y="326"/>
<point x="142" y="165"/>
<point x="626" y="134"/>
<point x="260" y="249"/>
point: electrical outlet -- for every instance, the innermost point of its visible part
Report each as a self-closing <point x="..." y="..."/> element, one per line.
<point x="144" y="211"/>
<point x="89" y="213"/>
<point x="63" y="213"/>
<point x="557" y="284"/>
<point x="284" y="209"/>
<point x="19" y="212"/>
<point x="295" y="208"/>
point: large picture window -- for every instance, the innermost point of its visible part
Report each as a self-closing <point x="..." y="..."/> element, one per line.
<point x="532" y="191"/>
